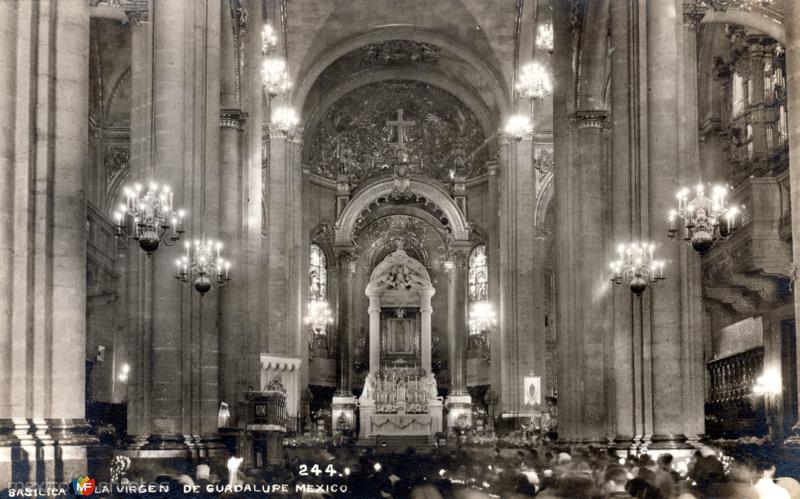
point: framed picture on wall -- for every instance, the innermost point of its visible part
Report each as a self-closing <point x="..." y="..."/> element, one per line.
<point x="532" y="390"/>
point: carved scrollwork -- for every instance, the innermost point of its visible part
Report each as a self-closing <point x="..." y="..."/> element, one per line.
<point x="116" y="161"/>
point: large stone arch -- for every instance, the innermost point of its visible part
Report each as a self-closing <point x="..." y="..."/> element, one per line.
<point x="383" y="188"/>
<point x="387" y="33"/>
<point x="756" y="21"/>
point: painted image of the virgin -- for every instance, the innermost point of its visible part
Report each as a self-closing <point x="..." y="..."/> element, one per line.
<point x="532" y="392"/>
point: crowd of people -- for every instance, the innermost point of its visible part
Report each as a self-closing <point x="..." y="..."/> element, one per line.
<point x="587" y="473"/>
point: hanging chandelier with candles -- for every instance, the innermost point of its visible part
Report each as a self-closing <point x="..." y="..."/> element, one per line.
<point x="285" y="118"/>
<point x="274" y="71"/>
<point x="636" y="268"/>
<point x="149" y="218"/>
<point x="534" y="82"/>
<point x="481" y="317"/>
<point x="706" y="219"/>
<point x="202" y="266"/>
<point x="545" y="38"/>
<point x="318" y="316"/>
<point x="518" y="126"/>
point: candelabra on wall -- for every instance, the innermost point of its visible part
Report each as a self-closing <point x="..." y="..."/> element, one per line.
<point x="702" y="217"/>
<point x="636" y="268"/>
<point x="149" y="219"/>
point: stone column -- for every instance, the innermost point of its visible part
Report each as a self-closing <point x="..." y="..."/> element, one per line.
<point x="166" y="308"/>
<point x="663" y="27"/>
<point x="282" y="244"/>
<point x="231" y="181"/>
<point x="456" y="321"/>
<point x="135" y="302"/>
<point x="459" y="402"/>
<point x="347" y="268"/>
<point x="792" y="22"/>
<point x="624" y="202"/>
<point x="8" y="35"/>
<point x="344" y="403"/>
<point x="232" y="298"/>
<point x="426" y="310"/>
<point x="43" y="165"/>
<point x="587" y="296"/>
<point x="493" y="260"/>
<point x="692" y="350"/>
<point x="517" y="197"/>
<point x="374" y="331"/>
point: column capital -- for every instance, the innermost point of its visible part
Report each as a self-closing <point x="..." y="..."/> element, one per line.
<point x="505" y="139"/>
<point x="492" y="167"/>
<point x="232" y="118"/>
<point x="589" y="118"/>
<point x="293" y="134"/>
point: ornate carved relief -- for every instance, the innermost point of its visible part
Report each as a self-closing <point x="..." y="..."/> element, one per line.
<point x="360" y="134"/>
<point x="416" y="235"/>
<point x="398" y="52"/>
<point x="116" y="161"/>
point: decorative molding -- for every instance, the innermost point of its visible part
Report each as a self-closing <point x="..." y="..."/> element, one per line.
<point x="293" y="135"/>
<point x="589" y="118"/>
<point x="101" y="130"/>
<point x="232" y="118"/>
<point x="383" y="188"/>
<point x="543" y="160"/>
<point x="399" y="272"/>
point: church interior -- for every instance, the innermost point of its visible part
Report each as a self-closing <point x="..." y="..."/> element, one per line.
<point x="551" y="235"/>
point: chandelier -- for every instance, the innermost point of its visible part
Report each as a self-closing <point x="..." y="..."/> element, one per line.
<point x="545" y="38"/>
<point x="269" y="42"/>
<point x="534" y="82"/>
<point x="274" y="72"/>
<point x="636" y="268"/>
<point x="285" y="118"/>
<point x="318" y="315"/>
<point x="149" y="218"/>
<point x="519" y="126"/>
<point x="481" y="317"/>
<point x="702" y="217"/>
<point x="202" y="266"/>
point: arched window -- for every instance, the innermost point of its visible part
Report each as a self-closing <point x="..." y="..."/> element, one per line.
<point x="317" y="275"/>
<point x="478" y="275"/>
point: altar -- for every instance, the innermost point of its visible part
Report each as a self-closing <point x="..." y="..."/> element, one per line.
<point x="400" y="394"/>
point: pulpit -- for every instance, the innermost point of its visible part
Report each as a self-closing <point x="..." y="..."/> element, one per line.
<point x="265" y="426"/>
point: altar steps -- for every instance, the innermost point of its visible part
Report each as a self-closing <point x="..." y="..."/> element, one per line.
<point x="398" y="443"/>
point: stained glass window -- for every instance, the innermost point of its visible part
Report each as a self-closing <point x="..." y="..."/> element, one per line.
<point x="317" y="275"/>
<point x="478" y="275"/>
